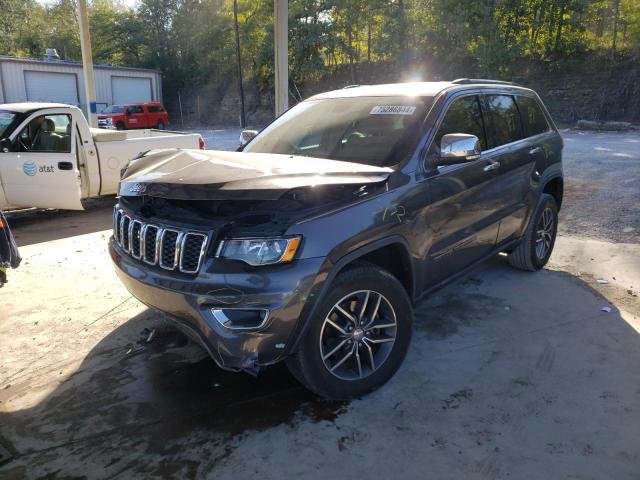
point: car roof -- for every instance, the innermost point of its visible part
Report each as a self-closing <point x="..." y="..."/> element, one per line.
<point x="413" y="89"/>
<point x="30" y="106"/>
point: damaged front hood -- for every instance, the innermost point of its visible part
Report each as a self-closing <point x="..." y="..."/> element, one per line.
<point x="218" y="175"/>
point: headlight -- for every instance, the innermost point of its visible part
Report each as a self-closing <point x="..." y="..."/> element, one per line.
<point x="109" y="120"/>
<point x="259" y="251"/>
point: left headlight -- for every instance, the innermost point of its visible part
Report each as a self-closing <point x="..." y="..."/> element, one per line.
<point x="260" y="251"/>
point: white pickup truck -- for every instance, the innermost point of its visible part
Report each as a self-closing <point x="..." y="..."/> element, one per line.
<point x="50" y="158"/>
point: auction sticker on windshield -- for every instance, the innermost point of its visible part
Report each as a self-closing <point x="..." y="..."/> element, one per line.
<point x="392" y="110"/>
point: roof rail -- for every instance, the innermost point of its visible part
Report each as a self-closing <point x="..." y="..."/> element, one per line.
<point x="467" y="81"/>
<point x="350" y="86"/>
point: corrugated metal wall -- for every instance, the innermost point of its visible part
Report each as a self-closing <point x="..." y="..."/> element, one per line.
<point x="13" y="89"/>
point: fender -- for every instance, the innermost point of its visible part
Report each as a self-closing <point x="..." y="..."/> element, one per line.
<point x="330" y="271"/>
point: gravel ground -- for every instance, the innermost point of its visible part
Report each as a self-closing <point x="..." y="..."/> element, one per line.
<point x="602" y="186"/>
<point x="510" y="375"/>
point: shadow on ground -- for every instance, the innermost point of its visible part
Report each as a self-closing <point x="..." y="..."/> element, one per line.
<point x="36" y="226"/>
<point x="161" y="409"/>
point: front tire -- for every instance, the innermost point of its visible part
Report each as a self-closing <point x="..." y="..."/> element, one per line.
<point x="120" y="126"/>
<point x="536" y="246"/>
<point x="358" y="337"/>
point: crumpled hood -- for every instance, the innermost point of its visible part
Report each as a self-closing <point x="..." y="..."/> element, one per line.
<point x="218" y="175"/>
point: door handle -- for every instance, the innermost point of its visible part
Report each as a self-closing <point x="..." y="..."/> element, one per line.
<point x="492" y="166"/>
<point x="535" y="150"/>
<point x="65" y="166"/>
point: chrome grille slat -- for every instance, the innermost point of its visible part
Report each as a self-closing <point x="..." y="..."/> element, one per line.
<point x="168" y="248"/>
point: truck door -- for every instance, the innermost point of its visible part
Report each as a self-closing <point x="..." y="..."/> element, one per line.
<point x="41" y="169"/>
<point x="135" y="117"/>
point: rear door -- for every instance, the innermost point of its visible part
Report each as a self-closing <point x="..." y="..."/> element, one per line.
<point x="463" y="200"/>
<point x="41" y="169"/>
<point x="513" y="152"/>
<point x="135" y="117"/>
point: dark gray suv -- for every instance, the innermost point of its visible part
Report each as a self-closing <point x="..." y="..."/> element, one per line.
<point x="312" y="242"/>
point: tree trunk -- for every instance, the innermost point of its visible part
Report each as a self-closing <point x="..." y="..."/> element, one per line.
<point x="616" y="20"/>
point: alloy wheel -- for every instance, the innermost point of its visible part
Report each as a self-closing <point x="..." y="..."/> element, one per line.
<point x="544" y="233"/>
<point x="358" y="335"/>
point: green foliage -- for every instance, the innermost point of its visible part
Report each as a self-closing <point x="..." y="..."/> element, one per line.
<point x="192" y="41"/>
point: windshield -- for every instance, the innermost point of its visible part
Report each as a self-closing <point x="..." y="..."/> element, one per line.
<point x="5" y="120"/>
<point x="114" y="109"/>
<point x="377" y="131"/>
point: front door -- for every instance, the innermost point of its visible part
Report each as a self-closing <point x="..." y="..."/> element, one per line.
<point x="462" y="215"/>
<point x="41" y="169"/>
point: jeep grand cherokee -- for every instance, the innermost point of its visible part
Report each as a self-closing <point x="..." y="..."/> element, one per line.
<point x="312" y="243"/>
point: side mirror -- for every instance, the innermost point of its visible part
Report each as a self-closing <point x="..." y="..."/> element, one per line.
<point x="458" y="148"/>
<point x="246" y="136"/>
<point x="6" y="145"/>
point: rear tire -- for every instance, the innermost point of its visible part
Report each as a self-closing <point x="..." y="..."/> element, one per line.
<point x="349" y="350"/>
<point x="160" y="125"/>
<point x="536" y="246"/>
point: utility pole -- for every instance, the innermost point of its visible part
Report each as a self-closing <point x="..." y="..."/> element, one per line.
<point x="243" y="122"/>
<point x="280" y="27"/>
<point x="87" y="64"/>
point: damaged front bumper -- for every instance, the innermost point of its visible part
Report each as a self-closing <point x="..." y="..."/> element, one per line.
<point x="215" y="307"/>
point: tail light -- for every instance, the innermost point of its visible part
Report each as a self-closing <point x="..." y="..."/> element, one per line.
<point x="201" y="143"/>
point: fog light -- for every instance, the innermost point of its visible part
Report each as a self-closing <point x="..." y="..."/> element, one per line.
<point x="241" y="318"/>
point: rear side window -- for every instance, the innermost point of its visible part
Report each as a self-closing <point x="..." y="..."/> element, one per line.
<point x="532" y="116"/>
<point x="463" y="116"/>
<point x="134" y="109"/>
<point x="153" y="108"/>
<point x="502" y="119"/>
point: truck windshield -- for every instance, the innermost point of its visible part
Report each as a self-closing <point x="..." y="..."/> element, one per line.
<point x="378" y="131"/>
<point x="114" y="109"/>
<point x="6" y="118"/>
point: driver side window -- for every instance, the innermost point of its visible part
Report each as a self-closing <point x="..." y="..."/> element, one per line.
<point x="47" y="133"/>
<point x="463" y="116"/>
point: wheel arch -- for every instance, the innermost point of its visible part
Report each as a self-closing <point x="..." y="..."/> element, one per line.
<point x="376" y="252"/>
<point x="555" y="187"/>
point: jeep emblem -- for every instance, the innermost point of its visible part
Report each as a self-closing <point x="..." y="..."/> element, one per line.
<point x="137" y="188"/>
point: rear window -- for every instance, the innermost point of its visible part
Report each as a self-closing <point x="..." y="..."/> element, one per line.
<point x="533" y="118"/>
<point x="502" y="120"/>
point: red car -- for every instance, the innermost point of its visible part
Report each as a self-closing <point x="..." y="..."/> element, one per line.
<point x="134" y="115"/>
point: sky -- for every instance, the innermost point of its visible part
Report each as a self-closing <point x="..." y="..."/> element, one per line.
<point x="128" y="3"/>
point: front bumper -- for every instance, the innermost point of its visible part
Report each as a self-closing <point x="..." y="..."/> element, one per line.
<point x="284" y="290"/>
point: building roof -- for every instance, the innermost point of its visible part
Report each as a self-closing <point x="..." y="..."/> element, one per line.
<point x="29" y="106"/>
<point x="70" y="63"/>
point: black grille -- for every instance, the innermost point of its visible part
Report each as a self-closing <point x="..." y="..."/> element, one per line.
<point x="150" y="243"/>
<point x="182" y="250"/>
<point x="135" y="239"/>
<point x="124" y="225"/>
<point x="169" y="245"/>
<point x="191" y="252"/>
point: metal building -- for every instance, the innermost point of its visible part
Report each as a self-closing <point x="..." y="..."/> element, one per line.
<point x="53" y="80"/>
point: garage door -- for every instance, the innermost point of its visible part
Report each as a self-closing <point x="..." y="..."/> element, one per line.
<point x="51" y="87"/>
<point x="130" y="90"/>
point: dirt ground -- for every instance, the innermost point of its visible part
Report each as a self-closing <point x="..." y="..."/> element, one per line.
<point x="509" y="375"/>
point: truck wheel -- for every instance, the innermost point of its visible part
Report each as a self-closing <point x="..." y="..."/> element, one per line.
<point x="358" y="337"/>
<point x="120" y="126"/>
<point x="160" y="125"/>
<point x="536" y="246"/>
